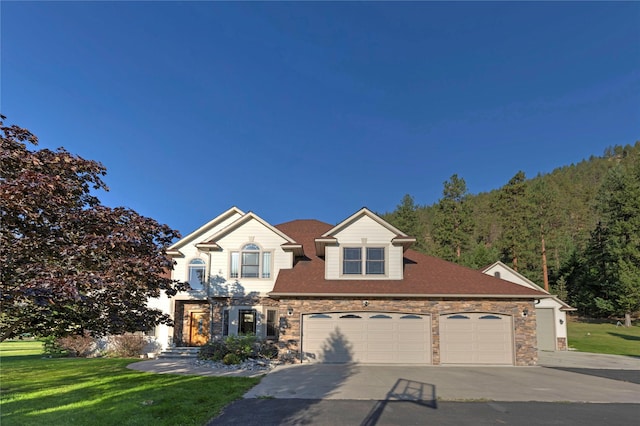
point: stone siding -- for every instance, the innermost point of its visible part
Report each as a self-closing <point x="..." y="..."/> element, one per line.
<point x="562" y="343"/>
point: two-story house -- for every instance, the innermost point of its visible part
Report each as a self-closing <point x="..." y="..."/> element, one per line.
<point x="353" y="292"/>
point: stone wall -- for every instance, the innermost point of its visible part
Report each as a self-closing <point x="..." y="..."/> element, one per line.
<point x="524" y="326"/>
<point x="561" y="344"/>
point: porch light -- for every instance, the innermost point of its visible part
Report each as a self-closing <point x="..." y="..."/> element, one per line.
<point x="289" y="311"/>
<point x="561" y="321"/>
<point x="525" y="312"/>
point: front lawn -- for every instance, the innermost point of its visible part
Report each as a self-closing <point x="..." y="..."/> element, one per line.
<point x="604" y="336"/>
<point x="102" y="391"/>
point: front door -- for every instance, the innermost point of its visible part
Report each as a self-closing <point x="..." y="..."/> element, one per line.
<point x="198" y="328"/>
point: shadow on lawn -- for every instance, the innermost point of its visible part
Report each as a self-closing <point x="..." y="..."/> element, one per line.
<point x="625" y="336"/>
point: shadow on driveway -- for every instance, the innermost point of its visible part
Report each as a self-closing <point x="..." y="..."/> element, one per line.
<point x="631" y="376"/>
<point x="404" y="390"/>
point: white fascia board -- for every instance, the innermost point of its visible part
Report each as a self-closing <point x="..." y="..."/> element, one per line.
<point x="364" y="212"/>
<point x="213" y="222"/>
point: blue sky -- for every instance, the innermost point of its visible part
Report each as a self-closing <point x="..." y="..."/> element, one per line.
<point x="313" y="110"/>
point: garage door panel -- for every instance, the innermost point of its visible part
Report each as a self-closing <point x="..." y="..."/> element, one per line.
<point x="368" y="337"/>
<point x="476" y="338"/>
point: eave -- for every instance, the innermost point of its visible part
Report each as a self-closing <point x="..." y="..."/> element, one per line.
<point x="411" y="296"/>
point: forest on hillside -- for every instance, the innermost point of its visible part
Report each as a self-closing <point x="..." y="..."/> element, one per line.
<point x="574" y="231"/>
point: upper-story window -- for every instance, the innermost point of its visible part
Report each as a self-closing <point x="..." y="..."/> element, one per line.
<point x="251" y="262"/>
<point x="354" y="263"/>
<point x="197" y="269"/>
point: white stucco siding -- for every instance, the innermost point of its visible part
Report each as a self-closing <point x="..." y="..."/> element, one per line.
<point x="162" y="331"/>
<point x="364" y="232"/>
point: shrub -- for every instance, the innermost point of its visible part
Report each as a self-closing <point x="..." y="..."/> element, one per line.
<point x="77" y="346"/>
<point x="214" y="350"/>
<point x="230" y="359"/>
<point x="51" y="347"/>
<point x="127" y="345"/>
<point x="242" y="346"/>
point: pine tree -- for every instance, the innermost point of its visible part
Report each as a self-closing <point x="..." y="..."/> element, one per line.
<point x="513" y="207"/>
<point x="452" y="221"/>
<point x="619" y="207"/>
<point x="407" y="219"/>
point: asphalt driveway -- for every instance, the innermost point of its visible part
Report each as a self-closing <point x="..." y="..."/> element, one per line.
<point x="428" y="384"/>
<point x="371" y="395"/>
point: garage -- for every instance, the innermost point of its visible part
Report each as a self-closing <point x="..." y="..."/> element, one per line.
<point x="476" y="338"/>
<point x="367" y="337"/>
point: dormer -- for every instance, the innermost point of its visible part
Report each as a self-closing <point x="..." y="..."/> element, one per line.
<point x="363" y="247"/>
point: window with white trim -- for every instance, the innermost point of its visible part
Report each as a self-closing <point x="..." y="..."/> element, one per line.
<point x="373" y="262"/>
<point x="250" y="262"/>
<point x="197" y="270"/>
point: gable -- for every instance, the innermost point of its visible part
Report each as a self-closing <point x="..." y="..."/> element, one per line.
<point x="205" y="231"/>
<point x="363" y="224"/>
<point x="506" y="273"/>
<point x="364" y="228"/>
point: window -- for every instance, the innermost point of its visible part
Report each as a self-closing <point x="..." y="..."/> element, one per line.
<point x="375" y="260"/>
<point x="225" y="322"/>
<point x="354" y="264"/>
<point x="352" y="261"/>
<point x="251" y="262"/>
<point x="272" y="326"/>
<point x="197" y="274"/>
<point x="496" y="274"/>
<point x="247" y="321"/>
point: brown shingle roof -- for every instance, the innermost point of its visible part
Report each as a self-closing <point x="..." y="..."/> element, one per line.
<point x="423" y="275"/>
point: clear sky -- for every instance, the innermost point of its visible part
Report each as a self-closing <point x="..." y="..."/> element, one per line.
<point x="314" y="110"/>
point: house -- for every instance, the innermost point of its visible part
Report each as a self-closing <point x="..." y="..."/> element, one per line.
<point x="551" y="317"/>
<point x="351" y="292"/>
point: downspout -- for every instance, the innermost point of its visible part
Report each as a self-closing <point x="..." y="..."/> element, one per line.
<point x="210" y="297"/>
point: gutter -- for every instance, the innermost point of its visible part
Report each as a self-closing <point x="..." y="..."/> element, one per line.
<point x="414" y="296"/>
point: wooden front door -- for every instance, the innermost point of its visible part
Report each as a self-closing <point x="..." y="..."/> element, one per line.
<point x="198" y="328"/>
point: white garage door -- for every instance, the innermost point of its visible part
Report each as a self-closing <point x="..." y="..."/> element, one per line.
<point x="367" y="337"/>
<point x="475" y="338"/>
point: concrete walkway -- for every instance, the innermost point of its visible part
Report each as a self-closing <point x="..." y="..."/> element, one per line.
<point x="573" y="359"/>
<point x="187" y="367"/>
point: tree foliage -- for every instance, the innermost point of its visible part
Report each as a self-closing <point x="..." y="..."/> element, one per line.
<point x="452" y="219"/>
<point x="407" y="219"/>
<point x="514" y="211"/>
<point x="569" y="222"/>
<point x="70" y="264"/>
<point x="618" y="242"/>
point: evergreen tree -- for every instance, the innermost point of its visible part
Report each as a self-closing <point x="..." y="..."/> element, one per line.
<point x="619" y="207"/>
<point x="407" y="219"/>
<point x="513" y="208"/>
<point x="452" y="221"/>
<point x="544" y="207"/>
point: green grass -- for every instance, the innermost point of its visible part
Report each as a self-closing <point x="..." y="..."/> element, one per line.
<point x="604" y="337"/>
<point x="102" y="391"/>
